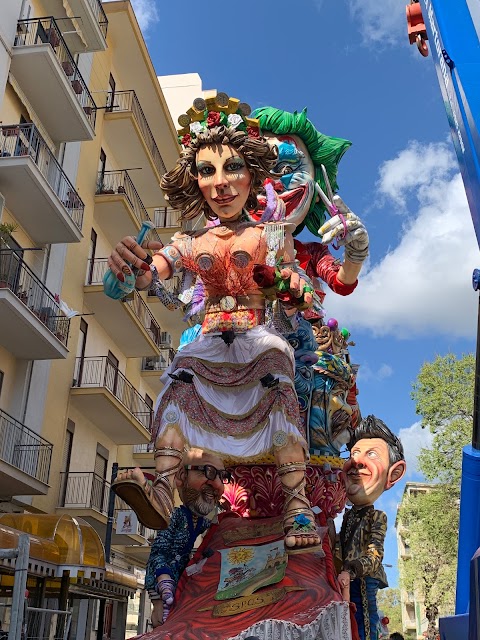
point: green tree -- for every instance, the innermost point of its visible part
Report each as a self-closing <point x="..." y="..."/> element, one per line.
<point x="388" y="602"/>
<point x="430" y="524"/>
<point x="443" y="393"/>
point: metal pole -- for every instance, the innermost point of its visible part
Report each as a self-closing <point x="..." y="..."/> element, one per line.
<point x="108" y="547"/>
<point x="19" y="587"/>
<point x="111" y="514"/>
<point x="476" y="403"/>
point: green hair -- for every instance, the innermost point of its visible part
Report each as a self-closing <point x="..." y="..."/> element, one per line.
<point x="322" y="149"/>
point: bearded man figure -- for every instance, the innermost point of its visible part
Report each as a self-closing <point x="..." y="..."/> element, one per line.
<point x="200" y="483"/>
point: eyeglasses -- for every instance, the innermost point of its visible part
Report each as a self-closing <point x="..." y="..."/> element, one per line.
<point x="211" y="472"/>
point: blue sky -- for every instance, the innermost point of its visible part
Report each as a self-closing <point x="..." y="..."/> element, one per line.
<point x="350" y="64"/>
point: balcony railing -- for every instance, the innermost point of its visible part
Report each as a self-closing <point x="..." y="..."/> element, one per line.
<point x="24" y="449"/>
<point x="127" y="101"/>
<point x="86" y="490"/>
<point x="101" y="372"/>
<point x="168" y="218"/>
<point x="22" y="140"/>
<point x="171" y="285"/>
<point x="112" y="182"/>
<point x="20" y="279"/>
<point x="97" y="267"/>
<point x="45" y="31"/>
<point x="158" y="363"/>
<point x="100" y="15"/>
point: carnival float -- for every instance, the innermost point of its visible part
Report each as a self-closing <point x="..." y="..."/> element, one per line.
<point x="263" y="380"/>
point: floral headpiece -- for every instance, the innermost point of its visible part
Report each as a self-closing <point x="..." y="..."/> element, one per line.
<point x="214" y="111"/>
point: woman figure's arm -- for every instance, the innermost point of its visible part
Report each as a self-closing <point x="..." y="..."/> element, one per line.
<point x="166" y="259"/>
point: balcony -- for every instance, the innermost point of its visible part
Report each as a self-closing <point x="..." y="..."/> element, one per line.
<point x="85" y="29"/>
<point x="167" y="222"/>
<point x="118" y="207"/>
<point x="110" y="401"/>
<point x="85" y="494"/>
<point x="32" y="324"/>
<point x="37" y="190"/>
<point x="24" y="459"/>
<point x="46" y="71"/>
<point x="167" y="218"/>
<point x="132" y="144"/>
<point x="170" y="320"/>
<point x="154" y="366"/>
<point x="130" y="322"/>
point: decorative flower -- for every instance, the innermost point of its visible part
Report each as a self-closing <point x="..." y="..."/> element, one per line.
<point x="385" y="621"/>
<point x="213" y="119"/>
<point x="253" y="132"/>
<point x="234" y="120"/>
<point x="196" y="128"/>
<point x="264" y="275"/>
<point x="186" y="139"/>
<point x="301" y="521"/>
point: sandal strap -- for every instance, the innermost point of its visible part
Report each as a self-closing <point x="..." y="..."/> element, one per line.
<point x="297" y="491"/>
<point x="168" y="451"/>
<point x="160" y="489"/>
<point x="289" y="467"/>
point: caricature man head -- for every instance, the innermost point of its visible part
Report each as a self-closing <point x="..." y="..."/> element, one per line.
<point x="376" y="462"/>
<point x="199" y="493"/>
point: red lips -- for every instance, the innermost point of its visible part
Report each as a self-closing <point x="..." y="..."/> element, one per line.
<point x="224" y="199"/>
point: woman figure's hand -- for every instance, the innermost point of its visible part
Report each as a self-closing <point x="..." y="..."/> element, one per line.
<point x="298" y="286"/>
<point x="127" y="254"/>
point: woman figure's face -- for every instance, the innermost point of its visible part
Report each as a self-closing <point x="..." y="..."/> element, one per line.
<point x="224" y="180"/>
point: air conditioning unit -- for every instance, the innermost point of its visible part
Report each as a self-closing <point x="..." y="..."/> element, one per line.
<point x="165" y="338"/>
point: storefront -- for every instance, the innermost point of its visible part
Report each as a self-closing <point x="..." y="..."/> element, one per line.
<point x="66" y="572"/>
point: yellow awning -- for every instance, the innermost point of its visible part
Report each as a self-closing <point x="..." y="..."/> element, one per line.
<point x="60" y="540"/>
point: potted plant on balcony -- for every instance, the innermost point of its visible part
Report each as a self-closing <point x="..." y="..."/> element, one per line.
<point x="6" y="230"/>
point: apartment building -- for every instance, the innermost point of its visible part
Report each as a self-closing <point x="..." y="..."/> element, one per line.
<point x="85" y="136"/>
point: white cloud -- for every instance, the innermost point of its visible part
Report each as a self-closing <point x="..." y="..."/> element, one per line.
<point x="145" y="11"/>
<point x="405" y="173"/>
<point x="379" y="23"/>
<point x="414" y="439"/>
<point x="365" y="373"/>
<point x="423" y="285"/>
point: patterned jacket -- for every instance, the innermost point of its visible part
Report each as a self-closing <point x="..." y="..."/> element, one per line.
<point x="170" y="552"/>
<point x="361" y="542"/>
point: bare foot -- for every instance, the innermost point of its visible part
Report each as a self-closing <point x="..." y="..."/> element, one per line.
<point x="132" y="474"/>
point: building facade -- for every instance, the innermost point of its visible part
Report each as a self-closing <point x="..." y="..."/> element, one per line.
<point x="85" y="136"/>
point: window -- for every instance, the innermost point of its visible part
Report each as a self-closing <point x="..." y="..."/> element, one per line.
<point x="99" y="488"/>
<point x="66" y="458"/>
<point x="111" y="373"/>
<point x="111" y="95"/>
<point x="82" y="343"/>
<point x="149" y="403"/>
<point x="91" y="256"/>
<point x="102" y="165"/>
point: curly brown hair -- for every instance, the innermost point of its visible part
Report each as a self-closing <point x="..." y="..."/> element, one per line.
<point x="180" y="185"/>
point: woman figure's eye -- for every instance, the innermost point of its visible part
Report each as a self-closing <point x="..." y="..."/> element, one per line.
<point x="205" y="170"/>
<point x="234" y="166"/>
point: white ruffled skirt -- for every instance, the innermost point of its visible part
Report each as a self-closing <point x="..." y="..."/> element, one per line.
<point x="226" y="409"/>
